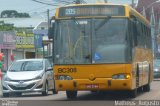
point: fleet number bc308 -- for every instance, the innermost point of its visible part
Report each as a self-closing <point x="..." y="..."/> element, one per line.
<point x="67" y="70"/>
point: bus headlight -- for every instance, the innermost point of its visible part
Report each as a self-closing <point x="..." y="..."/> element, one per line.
<point x="64" y="77"/>
<point x="121" y="76"/>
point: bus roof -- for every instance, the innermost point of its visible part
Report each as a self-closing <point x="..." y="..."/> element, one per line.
<point x="94" y="4"/>
<point x="138" y="15"/>
<point x="130" y="9"/>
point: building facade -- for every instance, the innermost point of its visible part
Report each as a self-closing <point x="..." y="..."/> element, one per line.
<point x="151" y="10"/>
<point x="7" y="45"/>
<point x="24" y="45"/>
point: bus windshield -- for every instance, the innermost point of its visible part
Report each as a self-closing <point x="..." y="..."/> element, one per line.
<point x="87" y="41"/>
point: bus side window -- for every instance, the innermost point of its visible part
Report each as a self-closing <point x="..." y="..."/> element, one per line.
<point x="135" y="34"/>
<point x="134" y="29"/>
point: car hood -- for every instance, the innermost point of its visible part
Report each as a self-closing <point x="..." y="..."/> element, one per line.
<point x="24" y="75"/>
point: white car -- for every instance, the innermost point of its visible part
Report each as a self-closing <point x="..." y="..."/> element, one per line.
<point x="29" y="75"/>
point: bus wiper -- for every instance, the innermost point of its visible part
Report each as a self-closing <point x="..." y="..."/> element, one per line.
<point x="75" y="20"/>
<point x="78" y="24"/>
<point x="103" y="23"/>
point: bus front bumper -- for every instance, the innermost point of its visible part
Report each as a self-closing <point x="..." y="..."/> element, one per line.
<point x="97" y="84"/>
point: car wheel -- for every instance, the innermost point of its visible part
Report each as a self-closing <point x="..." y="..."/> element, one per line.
<point x="71" y="94"/>
<point x="54" y="91"/>
<point x="45" y="92"/>
<point x="5" y="94"/>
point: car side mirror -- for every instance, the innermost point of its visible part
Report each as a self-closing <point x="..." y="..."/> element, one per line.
<point x="49" y="69"/>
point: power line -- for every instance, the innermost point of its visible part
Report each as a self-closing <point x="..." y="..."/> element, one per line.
<point x="36" y="9"/>
<point x="43" y="3"/>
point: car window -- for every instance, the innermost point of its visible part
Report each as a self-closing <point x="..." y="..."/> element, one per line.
<point x="26" y="66"/>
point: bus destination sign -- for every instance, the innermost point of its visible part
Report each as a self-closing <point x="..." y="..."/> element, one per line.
<point x="98" y="10"/>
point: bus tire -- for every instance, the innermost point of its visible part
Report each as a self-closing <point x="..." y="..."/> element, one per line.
<point x="146" y="88"/>
<point x="71" y="94"/>
<point x="137" y="76"/>
<point x="133" y="93"/>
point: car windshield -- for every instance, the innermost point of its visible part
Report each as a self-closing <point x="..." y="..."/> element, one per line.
<point x="26" y="66"/>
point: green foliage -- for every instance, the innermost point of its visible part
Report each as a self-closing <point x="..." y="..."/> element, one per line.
<point x="13" y="14"/>
<point x="6" y="27"/>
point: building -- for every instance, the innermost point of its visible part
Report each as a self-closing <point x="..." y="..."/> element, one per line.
<point x="24" y="37"/>
<point x="7" y="45"/>
<point x="43" y="44"/>
<point x="151" y="10"/>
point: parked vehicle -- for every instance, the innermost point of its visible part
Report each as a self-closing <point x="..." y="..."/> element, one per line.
<point x="157" y="68"/>
<point x="29" y="75"/>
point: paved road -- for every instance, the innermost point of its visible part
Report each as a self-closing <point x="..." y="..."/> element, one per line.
<point x="86" y="98"/>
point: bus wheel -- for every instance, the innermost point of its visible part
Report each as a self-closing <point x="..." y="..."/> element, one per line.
<point x="146" y="88"/>
<point x="133" y="93"/>
<point x="71" y="94"/>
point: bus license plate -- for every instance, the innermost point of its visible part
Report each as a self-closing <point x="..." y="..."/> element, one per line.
<point x="92" y="86"/>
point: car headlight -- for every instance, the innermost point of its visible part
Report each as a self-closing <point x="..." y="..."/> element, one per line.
<point x="64" y="77"/>
<point x="121" y="76"/>
<point x="6" y="78"/>
<point x="39" y="77"/>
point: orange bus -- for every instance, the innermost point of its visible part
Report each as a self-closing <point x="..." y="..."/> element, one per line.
<point x="99" y="47"/>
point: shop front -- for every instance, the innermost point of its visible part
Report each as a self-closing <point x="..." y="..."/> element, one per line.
<point x="7" y="44"/>
<point x="24" y="45"/>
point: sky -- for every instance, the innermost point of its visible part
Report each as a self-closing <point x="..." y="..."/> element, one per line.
<point x="34" y="8"/>
<point x="28" y="6"/>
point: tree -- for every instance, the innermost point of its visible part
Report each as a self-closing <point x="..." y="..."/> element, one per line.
<point x="13" y="14"/>
<point x="8" y="13"/>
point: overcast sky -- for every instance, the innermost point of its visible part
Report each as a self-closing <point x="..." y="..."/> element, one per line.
<point x="31" y="7"/>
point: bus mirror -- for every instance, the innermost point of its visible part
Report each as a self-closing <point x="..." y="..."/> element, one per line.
<point x="51" y="31"/>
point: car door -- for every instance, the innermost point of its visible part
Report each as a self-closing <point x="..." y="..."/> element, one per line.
<point x="49" y="73"/>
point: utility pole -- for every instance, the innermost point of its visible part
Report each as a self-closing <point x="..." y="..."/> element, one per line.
<point x="49" y="45"/>
<point x="48" y="18"/>
<point x="152" y="23"/>
<point x="132" y="3"/>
